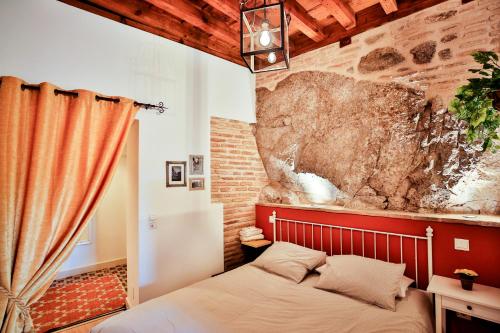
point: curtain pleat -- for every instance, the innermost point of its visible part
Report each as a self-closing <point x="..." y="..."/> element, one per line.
<point x="57" y="156"/>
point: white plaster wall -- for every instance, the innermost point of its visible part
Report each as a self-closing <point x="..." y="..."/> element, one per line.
<point x="228" y="91"/>
<point x="46" y="40"/>
<point x="107" y="230"/>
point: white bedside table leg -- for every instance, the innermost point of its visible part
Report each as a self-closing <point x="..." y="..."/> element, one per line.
<point x="440" y="315"/>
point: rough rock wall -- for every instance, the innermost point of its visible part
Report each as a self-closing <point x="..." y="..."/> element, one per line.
<point x="237" y="177"/>
<point x="366" y="126"/>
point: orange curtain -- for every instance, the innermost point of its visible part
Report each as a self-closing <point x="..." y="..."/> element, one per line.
<point x="57" y="157"/>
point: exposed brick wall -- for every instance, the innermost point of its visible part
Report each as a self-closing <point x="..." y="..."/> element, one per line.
<point x="238" y="176"/>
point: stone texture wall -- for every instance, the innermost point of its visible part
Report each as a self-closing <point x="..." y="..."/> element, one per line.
<point x="238" y="177"/>
<point x="366" y="126"/>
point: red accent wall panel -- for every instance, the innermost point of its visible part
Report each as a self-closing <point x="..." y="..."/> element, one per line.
<point x="484" y="242"/>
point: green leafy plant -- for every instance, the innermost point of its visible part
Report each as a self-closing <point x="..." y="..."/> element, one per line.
<point x="477" y="103"/>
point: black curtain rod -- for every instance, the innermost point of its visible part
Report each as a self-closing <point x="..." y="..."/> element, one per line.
<point x="159" y="107"/>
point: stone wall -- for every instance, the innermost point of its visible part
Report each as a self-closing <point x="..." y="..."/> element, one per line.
<point x="238" y="177"/>
<point x="366" y="126"/>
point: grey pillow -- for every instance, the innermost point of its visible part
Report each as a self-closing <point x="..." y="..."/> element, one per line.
<point x="373" y="281"/>
<point x="289" y="260"/>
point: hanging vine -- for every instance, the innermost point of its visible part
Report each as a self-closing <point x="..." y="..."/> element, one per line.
<point x="478" y="102"/>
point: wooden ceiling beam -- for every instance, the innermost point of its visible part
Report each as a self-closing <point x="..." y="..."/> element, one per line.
<point x="230" y="8"/>
<point x="389" y="6"/>
<point x="304" y="21"/>
<point x="359" y="5"/>
<point x="140" y="15"/>
<point x="342" y="12"/>
<point x="186" y="11"/>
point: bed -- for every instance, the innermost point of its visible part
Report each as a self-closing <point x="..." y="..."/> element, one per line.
<point x="250" y="299"/>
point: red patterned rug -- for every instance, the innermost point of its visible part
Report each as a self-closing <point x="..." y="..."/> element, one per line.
<point x="77" y="302"/>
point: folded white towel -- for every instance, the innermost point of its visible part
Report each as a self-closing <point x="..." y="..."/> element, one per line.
<point x="250" y="228"/>
<point x="250" y="231"/>
<point x="251" y="238"/>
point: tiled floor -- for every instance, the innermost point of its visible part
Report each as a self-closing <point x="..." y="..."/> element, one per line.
<point x="78" y="302"/>
<point x="120" y="271"/>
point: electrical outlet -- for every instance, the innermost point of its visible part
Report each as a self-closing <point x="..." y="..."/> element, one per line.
<point x="153" y="222"/>
<point x="461" y="244"/>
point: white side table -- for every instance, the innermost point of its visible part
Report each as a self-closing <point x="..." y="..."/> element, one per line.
<point x="481" y="302"/>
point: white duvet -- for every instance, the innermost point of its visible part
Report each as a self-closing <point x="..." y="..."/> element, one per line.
<point x="249" y="299"/>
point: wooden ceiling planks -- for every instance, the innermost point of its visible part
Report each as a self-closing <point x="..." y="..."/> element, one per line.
<point x="142" y="15"/>
<point x="185" y="10"/>
<point x="212" y="26"/>
<point x="230" y="8"/>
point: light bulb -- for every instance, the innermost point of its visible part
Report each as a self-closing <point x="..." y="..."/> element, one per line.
<point x="271" y="58"/>
<point x="265" y="35"/>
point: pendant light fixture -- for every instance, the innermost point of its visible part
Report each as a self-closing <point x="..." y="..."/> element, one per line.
<point x="264" y="35"/>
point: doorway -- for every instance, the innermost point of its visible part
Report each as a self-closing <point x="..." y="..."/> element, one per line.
<point x="100" y="277"/>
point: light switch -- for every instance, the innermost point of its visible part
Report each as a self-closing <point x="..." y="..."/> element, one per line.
<point x="461" y="244"/>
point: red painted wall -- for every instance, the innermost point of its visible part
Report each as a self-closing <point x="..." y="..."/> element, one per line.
<point x="484" y="242"/>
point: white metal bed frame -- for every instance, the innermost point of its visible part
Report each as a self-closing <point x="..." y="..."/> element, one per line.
<point x="428" y="237"/>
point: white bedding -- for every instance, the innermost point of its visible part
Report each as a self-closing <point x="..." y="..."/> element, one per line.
<point x="249" y="299"/>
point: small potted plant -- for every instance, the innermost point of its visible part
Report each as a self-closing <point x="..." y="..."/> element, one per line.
<point x="467" y="277"/>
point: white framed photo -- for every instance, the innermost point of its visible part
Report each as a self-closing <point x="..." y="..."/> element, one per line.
<point x="196" y="184"/>
<point x="176" y="173"/>
<point x="196" y="165"/>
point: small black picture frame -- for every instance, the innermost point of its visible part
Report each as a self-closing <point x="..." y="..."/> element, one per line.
<point x="176" y="173"/>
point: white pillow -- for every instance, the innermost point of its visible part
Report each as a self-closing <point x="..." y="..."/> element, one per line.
<point x="373" y="281"/>
<point x="289" y="260"/>
<point x="404" y="285"/>
<point x="321" y="269"/>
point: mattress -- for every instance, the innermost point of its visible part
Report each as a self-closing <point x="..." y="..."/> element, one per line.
<point x="249" y="299"/>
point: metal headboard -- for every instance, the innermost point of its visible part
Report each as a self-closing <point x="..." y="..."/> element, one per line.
<point x="428" y="237"/>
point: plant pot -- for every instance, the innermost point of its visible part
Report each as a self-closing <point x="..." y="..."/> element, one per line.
<point x="467" y="283"/>
<point x="467" y="277"/>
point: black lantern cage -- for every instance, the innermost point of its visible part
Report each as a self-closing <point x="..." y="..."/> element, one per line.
<point x="264" y="37"/>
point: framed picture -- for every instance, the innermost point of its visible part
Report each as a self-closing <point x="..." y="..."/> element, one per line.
<point x="176" y="173"/>
<point x="196" y="165"/>
<point x="196" y="184"/>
